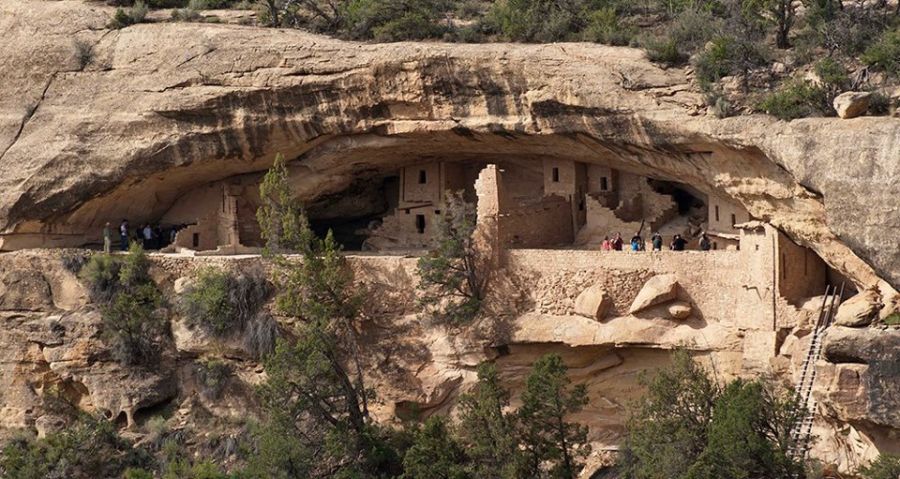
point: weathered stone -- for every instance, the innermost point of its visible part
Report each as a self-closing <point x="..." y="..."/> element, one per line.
<point x="860" y="345"/>
<point x="593" y="303"/>
<point x="858" y="311"/>
<point x="183" y="284"/>
<point x="24" y="290"/>
<point x="679" y="310"/>
<point x="48" y="424"/>
<point x="852" y="104"/>
<point x="657" y="290"/>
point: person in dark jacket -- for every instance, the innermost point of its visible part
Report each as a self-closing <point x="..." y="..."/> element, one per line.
<point x="678" y="243"/>
<point x="705" y="243"/>
<point x="657" y="241"/>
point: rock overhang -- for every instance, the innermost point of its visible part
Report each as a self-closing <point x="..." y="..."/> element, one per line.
<point x="162" y="108"/>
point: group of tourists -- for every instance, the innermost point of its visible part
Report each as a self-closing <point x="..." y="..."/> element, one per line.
<point x="656" y="241"/>
<point x="147" y="235"/>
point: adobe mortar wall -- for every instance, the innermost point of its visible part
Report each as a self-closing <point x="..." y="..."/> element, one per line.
<point x="709" y="280"/>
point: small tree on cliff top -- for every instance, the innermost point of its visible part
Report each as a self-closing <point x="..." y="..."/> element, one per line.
<point x="452" y="275"/>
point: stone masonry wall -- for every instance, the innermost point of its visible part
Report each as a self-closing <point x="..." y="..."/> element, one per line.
<point x="709" y="280"/>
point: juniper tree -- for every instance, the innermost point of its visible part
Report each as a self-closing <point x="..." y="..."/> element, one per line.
<point x="748" y="435"/>
<point x="129" y="302"/>
<point x="435" y="453"/>
<point x="315" y="397"/>
<point x="282" y="222"/>
<point x="686" y="426"/>
<point x="452" y="274"/>
<point x="487" y="431"/>
<point x="546" y="436"/>
<point x="668" y="428"/>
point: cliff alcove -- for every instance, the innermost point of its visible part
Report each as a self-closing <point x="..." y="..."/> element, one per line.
<point x="175" y="124"/>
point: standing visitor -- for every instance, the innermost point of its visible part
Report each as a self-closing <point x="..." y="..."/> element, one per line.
<point x="705" y="244"/>
<point x="657" y="241"/>
<point x="157" y="237"/>
<point x="678" y="243"/>
<point x="107" y="238"/>
<point x="123" y="235"/>
<point x="617" y="242"/>
<point x="148" y="236"/>
<point x="606" y="245"/>
<point x="637" y="243"/>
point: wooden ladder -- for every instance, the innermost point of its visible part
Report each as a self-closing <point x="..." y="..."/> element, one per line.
<point x="802" y="430"/>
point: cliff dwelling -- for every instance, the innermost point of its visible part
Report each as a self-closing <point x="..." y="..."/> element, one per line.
<point x="559" y="147"/>
<point x="544" y="203"/>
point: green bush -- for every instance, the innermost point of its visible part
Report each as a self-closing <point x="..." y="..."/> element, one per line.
<point x="879" y="104"/>
<point x="719" y="104"/>
<point x="663" y="50"/>
<point x="101" y="277"/>
<point x="852" y="30"/>
<point x="88" y="448"/>
<point x="692" y="29"/>
<point x="832" y="74"/>
<point x="134" y="473"/>
<point x="435" y="453"/>
<point x="539" y="21"/>
<point x="129" y="301"/>
<point x="224" y="303"/>
<point x="885" y="467"/>
<point x="132" y="324"/>
<point x="414" y="25"/>
<point x="728" y="55"/>
<point x="884" y="55"/>
<point x="125" y="17"/>
<point x="605" y="26"/>
<point x="213" y="376"/>
<point x="797" y="99"/>
<point x="186" y="15"/>
<point x="74" y="262"/>
<point x="84" y="53"/>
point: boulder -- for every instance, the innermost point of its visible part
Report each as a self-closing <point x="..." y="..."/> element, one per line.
<point x="852" y="104"/>
<point x="860" y="345"/>
<point x="680" y="310"/>
<point x="593" y="303"/>
<point x="657" y="290"/>
<point x="858" y="311"/>
<point x="183" y="284"/>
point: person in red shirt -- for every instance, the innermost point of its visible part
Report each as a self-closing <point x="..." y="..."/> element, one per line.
<point x="606" y="245"/>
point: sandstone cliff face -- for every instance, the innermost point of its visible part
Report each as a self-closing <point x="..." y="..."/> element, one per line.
<point x="54" y="349"/>
<point x="97" y="124"/>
